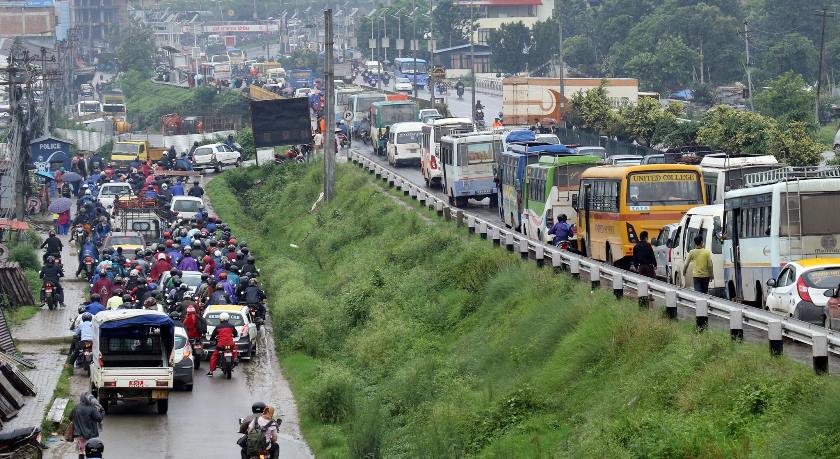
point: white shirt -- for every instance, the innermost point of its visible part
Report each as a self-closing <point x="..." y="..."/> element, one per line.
<point x="319" y="139"/>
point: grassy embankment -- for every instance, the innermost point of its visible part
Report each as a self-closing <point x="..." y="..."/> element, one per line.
<point x="408" y="339"/>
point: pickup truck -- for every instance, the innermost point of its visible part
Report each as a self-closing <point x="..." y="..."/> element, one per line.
<point x="132" y="349"/>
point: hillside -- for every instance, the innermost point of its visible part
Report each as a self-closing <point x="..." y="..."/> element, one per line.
<point x="404" y="338"/>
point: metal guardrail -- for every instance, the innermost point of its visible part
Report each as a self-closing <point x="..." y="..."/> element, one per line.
<point x="821" y="340"/>
<point x="489" y="85"/>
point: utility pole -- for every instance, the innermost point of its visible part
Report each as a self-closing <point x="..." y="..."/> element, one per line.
<point x="432" y="53"/>
<point x="44" y="90"/>
<point x="561" y="56"/>
<point x="824" y="14"/>
<point x="329" y="109"/>
<point x="746" y="33"/>
<point x="472" y="57"/>
<point x="414" y="44"/>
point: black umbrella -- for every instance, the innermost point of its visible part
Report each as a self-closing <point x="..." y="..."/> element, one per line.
<point x="71" y="177"/>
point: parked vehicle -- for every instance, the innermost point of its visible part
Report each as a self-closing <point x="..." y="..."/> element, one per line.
<point x="21" y="443"/>
<point x="706" y="222"/>
<point x="239" y="318"/>
<point x="624" y="160"/>
<point x="802" y="290"/>
<point x="592" y="151"/>
<point x="88" y="107"/>
<point x="404" y="143"/>
<point x="132" y="348"/>
<point x="215" y="156"/>
<point x="426" y="115"/>
<point x="126" y="151"/>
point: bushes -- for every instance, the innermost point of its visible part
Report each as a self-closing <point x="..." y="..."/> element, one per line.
<point x="332" y="397"/>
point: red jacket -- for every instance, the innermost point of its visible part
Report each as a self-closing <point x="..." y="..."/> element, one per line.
<point x="224" y="335"/>
<point x="191" y="324"/>
<point x="160" y="267"/>
<point x="103" y="287"/>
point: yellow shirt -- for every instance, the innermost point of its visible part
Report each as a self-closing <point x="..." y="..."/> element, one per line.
<point x="114" y="302"/>
<point x="702" y="263"/>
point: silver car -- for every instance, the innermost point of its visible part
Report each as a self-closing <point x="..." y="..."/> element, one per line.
<point x="662" y="245"/>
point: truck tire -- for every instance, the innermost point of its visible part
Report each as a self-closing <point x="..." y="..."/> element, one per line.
<point x="163" y="406"/>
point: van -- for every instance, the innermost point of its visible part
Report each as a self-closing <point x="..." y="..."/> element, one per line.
<point x="404" y="143"/>
<point x="707" y="222"/>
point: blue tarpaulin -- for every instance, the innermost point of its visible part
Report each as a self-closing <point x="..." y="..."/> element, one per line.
<point x="137" y="327"/>
<point x="524" y="135"/>
<point x="555" y="149"/>
<point x="151" y="320"/>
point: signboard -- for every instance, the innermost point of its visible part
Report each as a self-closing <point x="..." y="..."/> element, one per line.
<point x="281" y="122"/>
<point x="227" y="28"/>
<point x="372" y="43"/>
<point x="386" y="42"/>
<point x="48" y="153"/>
<point x="230" y="41"/>
<point x="400" y="43"/>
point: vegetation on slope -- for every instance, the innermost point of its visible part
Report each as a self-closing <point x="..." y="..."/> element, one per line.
<point x="408" y="339"/>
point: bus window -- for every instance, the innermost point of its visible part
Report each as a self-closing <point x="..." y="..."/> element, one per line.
<point x="717" y="246"/>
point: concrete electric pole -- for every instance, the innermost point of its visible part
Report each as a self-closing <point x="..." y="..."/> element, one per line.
<point x="329" y="109"/>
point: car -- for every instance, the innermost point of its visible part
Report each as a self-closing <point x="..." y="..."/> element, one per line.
<point x="191" y="278"/>
<point x="624" y="160"/>
<point x="182" y="360"/>
<point x="600" y="152"/>
<point x="662" y="245"/>
<point x="403" y="84"/>
<point x="128" y="240"/>
<point x="214" y="156"/>
<point x="303" y="92"/>
<point x="803" y="288"/>
<point x="109" y="192"/>
<point x="186" y="206"/>
<point x="428" y="114"/>
<point x="239" y="318"/>
<point x="548" y="138"/>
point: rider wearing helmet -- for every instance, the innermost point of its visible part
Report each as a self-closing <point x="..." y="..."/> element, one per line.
<point x="83" y="332"/>
<point x="224" y="334"/>
<point x="52" y="272"/>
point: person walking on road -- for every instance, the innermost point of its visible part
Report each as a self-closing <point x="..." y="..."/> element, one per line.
<point x="703" y="271"/>
<point x="86" y="417"/>
<point x="643" y="257"/>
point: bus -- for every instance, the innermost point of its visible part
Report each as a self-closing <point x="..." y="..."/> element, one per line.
<point x="342" y="97"/>
<point x="781" y="215"/>
<point x="301" y="78"/>
<point x="236" y="56"/>
<point x="415" y="70"/>
<point x="360" y="103"/>
<point x="276" y="75"/>
<point x="510" y="174"/>
<point x="550" y="185"/>
<point x="467" y="161"/>
<point x="383" y="115"/>
<point x="432" y="133"/>
<point x="616" y="203"/>
<point x="722" y="172"/>
<point x="88" y="107"/>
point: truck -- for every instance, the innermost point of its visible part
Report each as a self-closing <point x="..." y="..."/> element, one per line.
<point x="131" y="354"/>
<point x="343" y="71"/>
<point x="141" y="215"/>
<point x="527" y="100"/>
<point x="126" y="151"/>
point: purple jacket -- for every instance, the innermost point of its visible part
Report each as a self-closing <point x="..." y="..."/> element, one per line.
<point x="188" y="264"/>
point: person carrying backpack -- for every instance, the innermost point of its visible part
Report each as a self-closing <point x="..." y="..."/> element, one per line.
<point x="262" y="435"/>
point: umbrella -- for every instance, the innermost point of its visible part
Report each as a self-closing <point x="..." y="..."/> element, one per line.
<point x="71" y="177"/>
<point x="60" y="205"/>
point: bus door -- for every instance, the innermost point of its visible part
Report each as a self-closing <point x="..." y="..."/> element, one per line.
<point x="736" y="254"/>
<point x="587" y="204"/>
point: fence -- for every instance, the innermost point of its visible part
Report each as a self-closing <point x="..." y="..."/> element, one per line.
<point x="488" y="85"/>
<point x="821" y="340"/>
<point x="91" y="141"/>
<point x="84" y="140"/>
<point x="613" y="147"/>
<point x="13" y="284"/>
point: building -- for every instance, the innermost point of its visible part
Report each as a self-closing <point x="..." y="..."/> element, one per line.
<point x="98" y="20"/>
<point x="27" y="18"/>
<point x="456" y="60"/>
<point x="491" y="14"/>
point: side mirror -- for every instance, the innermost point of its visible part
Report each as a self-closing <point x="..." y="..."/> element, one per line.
<point x="831" y="293"/>
<point x="771" y="283"/>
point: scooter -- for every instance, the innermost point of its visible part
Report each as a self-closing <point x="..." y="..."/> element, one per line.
<point x="50" y="295"/>
<point x="88" y="264"/>
<point x="23" y="442"/>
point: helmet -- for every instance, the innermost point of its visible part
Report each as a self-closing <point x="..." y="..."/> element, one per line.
<point x="187" y="249"/>
<point x="169" y="242"/>
<point x="118" y="279"/>
<point x="232" y="241"/>
<point x="175" y="315"/>
<point x="245" y="251"/>
<point x="217" y="253"/>
<point x="87" y="317"/>
<point x="252" y="282"/>
<point x="167" y="234"/>
<point x="223" y="317"/>
<point x="205" y="276"/>
<point x="196" y="243"/>
<point x="251" y="260"/>
<point x="258" y="407"/>
<point x="223" y="276"/>
<point x="161" y="256"/>
<point x="149" y="302"/>
<point x="134" y="273"/>
<point x="207" y="259"/>
<point x="173" y="271"/>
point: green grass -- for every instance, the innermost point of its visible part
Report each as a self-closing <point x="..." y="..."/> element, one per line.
<point x="449" y="347"/>
<point x="826" y="133"/>
<point x="62" y="390"/>
<point x="19" y="315"/>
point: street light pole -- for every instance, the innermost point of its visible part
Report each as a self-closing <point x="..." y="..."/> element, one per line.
<point x="432" y="52"/>
<point x="472" y="57"/>
<point x="414" y="44"/>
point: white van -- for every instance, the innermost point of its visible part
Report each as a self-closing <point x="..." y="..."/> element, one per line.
<point x="374" y="67"/>
<point x="404" y="143"/>
<point x="707" y="222"/>
<point x="722" y="172"/>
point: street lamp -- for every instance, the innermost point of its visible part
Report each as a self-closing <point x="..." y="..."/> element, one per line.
<point x="398" y="13"/>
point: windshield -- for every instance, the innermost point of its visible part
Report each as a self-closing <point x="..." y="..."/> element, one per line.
<point x="125" y="148"/>
<point x="663" y="189"/>
<point x="823" y="278"/>
<point x="476" y="153"/>
<point x="126" y="240"/>
<point x="114" y="190"/>
<point x="447" y="129"/>
<point x="191" y="279"/>
<point x="113" y="108"/>
<point x="403" y="80"/>
<point x="186" y="205"/>
<point x="409" y="137"/>
<point x="342" y="97"/>
<point x="180" y="341"/>
<point x="235" y="319"/>
<point x="90" y="107"/>
<point x="363" y="103"/>
<point x="408" y="66"/>
<point x="300" y="74"/>
<point x="391" y="114"/>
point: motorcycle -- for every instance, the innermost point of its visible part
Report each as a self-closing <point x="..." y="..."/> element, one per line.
<point x="50" y="295"/>
<point x="342" y="140"/>
<point x="198" y="352"/>
<point x="228" y="361"/>
<point x="365" y="136"/>
<point x="87" y="356"/>
<point x="460" y="91"/>
<point x="254" y="313"/>
<point x="264" y="453"/>
<point x="89" y="265"/>
<point x="23" y="442"/>
<point x="479" y="119"/>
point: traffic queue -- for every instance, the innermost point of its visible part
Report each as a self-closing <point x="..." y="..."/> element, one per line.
<point x="170" y="286"/>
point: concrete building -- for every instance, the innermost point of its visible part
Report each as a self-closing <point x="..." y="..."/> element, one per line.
<point x="98" y="20"/>
<point x="27" y="18"/>
<point x="491" y="14"/>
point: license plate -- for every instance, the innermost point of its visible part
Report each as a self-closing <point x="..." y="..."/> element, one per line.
<point x="136" y="383"/>
<point x="159" y="394"/>
<point x="49" y="290"/>
<point x="228" y="354"/>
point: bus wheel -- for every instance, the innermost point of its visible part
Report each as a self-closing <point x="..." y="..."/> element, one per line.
<point x="759" y="297"/>
<point x="609" y="256"/>
<point x="494" y="200"/>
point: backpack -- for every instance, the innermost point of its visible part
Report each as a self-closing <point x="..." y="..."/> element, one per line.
<point x="255" y="438"/>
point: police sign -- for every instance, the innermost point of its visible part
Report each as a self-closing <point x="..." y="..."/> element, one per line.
<point x="49" y="153"/>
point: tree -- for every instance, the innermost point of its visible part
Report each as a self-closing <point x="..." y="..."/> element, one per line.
<point x="668" y="68"/>
<point x="786" y="99"/>
<point x="794" y="145"/>
<point x="136" y="50"/>
<point x="545" y="45"/>
<point x="593" y="107"/>
<point x="451" y="23"/>
<point x="735" y="131"/>
<point x="639" y="120"/>
<point x="792" y="52"/>
<point x="507" y="47"/>
<point x="580" y="54"/>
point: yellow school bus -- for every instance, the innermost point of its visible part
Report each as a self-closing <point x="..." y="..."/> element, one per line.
<point x="616" y="203"/>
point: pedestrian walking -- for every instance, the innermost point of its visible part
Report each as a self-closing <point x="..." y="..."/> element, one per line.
<point x="86" y="417"/>
<point x="703" y="271"/>
<point x="64" y="222"/>
<point x="643" y="257"/>
<point x="318" y="141"/>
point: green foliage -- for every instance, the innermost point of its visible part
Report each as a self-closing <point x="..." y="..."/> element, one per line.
<point x="136" y="49"/>
<point x="668" y="67"/>
<point x="594" y="109"/>
<point x="793" y="52"/>
<point x="245" y="138"/>
<point x="794" y="145"/>
<point x="407" y="338"/>
<point x="786" y="99"/>
<point x="507" y="47"/>
<point x="24" y="251"/>
<point x="642" y="119"/>
<point x="735" y="131"/>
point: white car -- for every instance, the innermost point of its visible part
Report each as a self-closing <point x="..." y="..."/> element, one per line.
<point x="303" y="92"/>
<point x="186" y="206"/>
<point x="428" y="114"/>
<point x="403" y="84"/>
<point x="183" y="361"/>
<point x="214" y="156"/>
<point x="803" y="288"/>
<point x="246" y="343"/>
<point x="191" y="278"/>
<point x="109" y="192"/>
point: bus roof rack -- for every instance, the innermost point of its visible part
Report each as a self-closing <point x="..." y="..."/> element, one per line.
<point x="784" y="174"/>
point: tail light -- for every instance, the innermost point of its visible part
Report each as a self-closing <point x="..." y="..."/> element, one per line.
<point x="187" y="352"/>
<point x="433" y="162"/>
<point x="88" y="260"/>
<point x="110" y="384"/>
<point x="631" y="234"/>
<point x="245" y="329"/>
<point x="802" y="290"/>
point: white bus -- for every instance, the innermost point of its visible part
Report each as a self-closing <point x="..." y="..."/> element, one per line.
<point x="468" y="171"/>
<point x="360" y="104"/>
<point x="782" y="215"/>
<point x="276" y="75"/>
<point x="87" y="107"/>
<point x="722" y="172"/>
<point x="432" y="133"/>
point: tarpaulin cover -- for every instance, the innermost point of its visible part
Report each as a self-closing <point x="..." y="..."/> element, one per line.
<point x="523" y="135"/>
<point x="133" y="327"/>
<point x="552" y="148"/>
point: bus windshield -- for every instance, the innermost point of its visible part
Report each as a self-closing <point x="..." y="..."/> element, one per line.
<point x="89" y="107"/>
<point x="363" y="103"/>
<point x="477" y="153"/>
<point x="409" y="137"/>
<point x="407" y="67"/>
<point x="390" y="114"/>
<point x="113" y="108"/>
<point x="663" y="189"/>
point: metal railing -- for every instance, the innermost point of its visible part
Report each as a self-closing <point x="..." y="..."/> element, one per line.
<point x="821" y="340"/>
<point x="790" y="173"/>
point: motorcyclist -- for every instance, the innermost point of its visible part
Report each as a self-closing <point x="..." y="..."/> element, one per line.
<point x="95" y="306"/>
<point x="53" y="246"/>
<point x="191" y="323"/>
<point x="224" y="334"/>
<point x="459" y="87"/>
<point x="178" y="188"/>
<point x="478" y="105"/>
<point x="267" y="426"/>
<point x="256" y="411"/>
<point x="188" y="263"/>
<point x="52" y="272"/>
<point x="364" y="127"/>
<point x="161" y="266"/>
<point x="218" y="294"/>
<point x="103" y="286"/>
<point x="88" y="250"/>
<point x="229" y="142"/>
<point x="561" y="230"/>
<point x="82" y="333"/>
<point x="250" y="267"/>
<point x="255" y="295"/>
<point x="196" y="190"/>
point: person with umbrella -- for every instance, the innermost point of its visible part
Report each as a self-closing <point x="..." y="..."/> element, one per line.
<point x="58" y="181"/>
<point x="61" y="206"/>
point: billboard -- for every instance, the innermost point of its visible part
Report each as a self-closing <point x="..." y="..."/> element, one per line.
<point x="281" y="122"/>
<point x="228" y="28"/>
